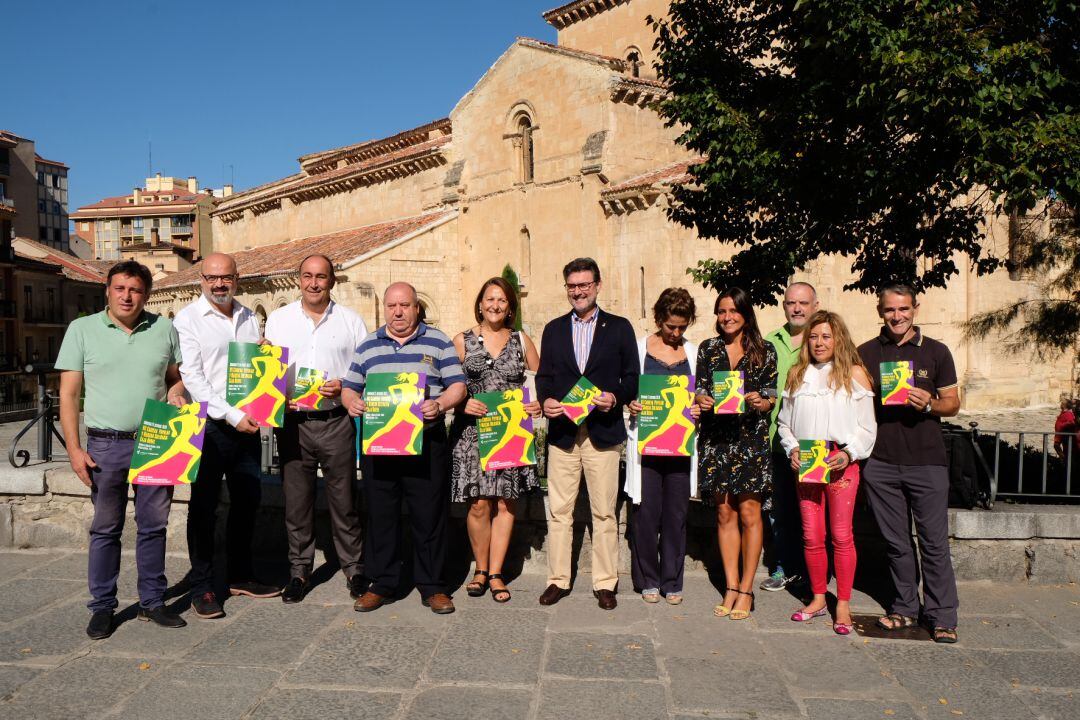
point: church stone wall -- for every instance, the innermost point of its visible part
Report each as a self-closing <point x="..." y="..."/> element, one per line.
<point x="613" y="31"/>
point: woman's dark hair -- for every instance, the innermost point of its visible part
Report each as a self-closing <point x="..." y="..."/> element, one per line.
<point x="752" y="342"/>
<point x="511" y="299"/>
<point x="132" y="268"/>
<point x="674" y="301"/>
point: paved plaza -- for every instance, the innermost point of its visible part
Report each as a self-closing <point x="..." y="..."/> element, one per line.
<point x="1019" y="657"/>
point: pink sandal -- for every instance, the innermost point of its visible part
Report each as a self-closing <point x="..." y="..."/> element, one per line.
<point x="803" y="616"/>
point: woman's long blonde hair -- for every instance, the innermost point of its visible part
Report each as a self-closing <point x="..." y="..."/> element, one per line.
<point x="845" y="355"/>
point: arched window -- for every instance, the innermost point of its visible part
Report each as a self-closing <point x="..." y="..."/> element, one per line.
<point x="525" y="129"/>
<point x="260" y="315"/>
<point x="633" y="59"/>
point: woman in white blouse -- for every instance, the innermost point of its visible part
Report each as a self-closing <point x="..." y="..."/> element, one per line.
<point x="829" y="396"/>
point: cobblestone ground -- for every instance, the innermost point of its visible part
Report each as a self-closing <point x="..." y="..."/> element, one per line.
<point x="1017" y="659"/>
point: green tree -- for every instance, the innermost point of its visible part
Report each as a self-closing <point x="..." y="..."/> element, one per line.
<point x="511" y="277"/>
<point x="880" y="131"/>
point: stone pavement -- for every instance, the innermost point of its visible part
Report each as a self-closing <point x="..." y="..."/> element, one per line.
<point x="1019" y="657"/>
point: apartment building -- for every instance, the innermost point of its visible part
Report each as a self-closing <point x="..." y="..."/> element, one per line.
<point x="36" y="189"/>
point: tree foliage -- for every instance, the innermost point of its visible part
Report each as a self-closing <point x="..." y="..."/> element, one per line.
<point x="880" y="131"/>
<point x="510" y="276"/>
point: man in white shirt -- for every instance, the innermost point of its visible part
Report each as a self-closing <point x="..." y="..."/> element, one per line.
<point x="231" y="447"/>
<point x="321" y="335"/>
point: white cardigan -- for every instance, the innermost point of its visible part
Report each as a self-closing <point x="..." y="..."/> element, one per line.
<point x="633" y="458"/>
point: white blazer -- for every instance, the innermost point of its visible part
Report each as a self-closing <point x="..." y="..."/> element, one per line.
<point x="633" y="458"/>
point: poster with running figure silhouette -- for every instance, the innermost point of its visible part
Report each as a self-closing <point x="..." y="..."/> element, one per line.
<point x="168" y="445"/>
<point x="393" y="422"/>
<point x="581" y="400"/>
<point x="814" y="460"/>
<point x="896" y="382"/>
<point x="306" y="389"/>
<point x="256" y="382"/>
<point x="505" y="433"/>
<point x="665" y="426"/>
<point x="729" y="392"/>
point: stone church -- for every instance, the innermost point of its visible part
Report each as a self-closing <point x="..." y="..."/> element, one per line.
<point x="554" y="153"/>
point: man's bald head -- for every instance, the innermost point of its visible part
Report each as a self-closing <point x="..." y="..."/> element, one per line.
<point x="800" y="302"/>
<point x="219" y="279"/>
<point x="402" y="308"/>
<point x="398" y="290"/>
<point x="219" y="264"/>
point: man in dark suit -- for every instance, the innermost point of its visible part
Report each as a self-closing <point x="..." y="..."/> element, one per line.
<point x="601" y="347"/>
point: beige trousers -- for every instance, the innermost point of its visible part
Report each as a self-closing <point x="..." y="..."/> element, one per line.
<point x="601" y="468"/>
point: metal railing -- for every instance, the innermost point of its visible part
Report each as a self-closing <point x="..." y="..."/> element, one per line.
<point x="45" y="420"/>
<point x="1031" y="468"/>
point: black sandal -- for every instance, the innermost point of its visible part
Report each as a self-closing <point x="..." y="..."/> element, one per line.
<point x="475" y="588"/>
<point x="495" y="592"/>
<point x="896" y="621"/>
<point x="945" y="635"/>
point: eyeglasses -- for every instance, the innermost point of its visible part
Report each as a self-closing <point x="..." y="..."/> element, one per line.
<point x="571" y="287"/>
<point x="219" y="278"/>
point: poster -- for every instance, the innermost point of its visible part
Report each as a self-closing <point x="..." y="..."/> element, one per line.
<point x="168" y="444"/>
<point x="665" y="426"/>
<point x="306" y="386"/>
<point x="813" y="461"/>
<point x="505" y="433"/>
<point x="256" y="381"/>
<point x="729" y="391"/>
<point x="393" y="423"/>
<point x="896" y="382"/>
<point x="579" y="402"/>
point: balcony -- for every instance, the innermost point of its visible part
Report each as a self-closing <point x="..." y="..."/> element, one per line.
<point x="44" y="317"/>
<point x="181" y="229"/>
<point x="7" y="202"/>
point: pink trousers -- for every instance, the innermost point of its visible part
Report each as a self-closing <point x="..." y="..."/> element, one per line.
<point x="839" y="497"/>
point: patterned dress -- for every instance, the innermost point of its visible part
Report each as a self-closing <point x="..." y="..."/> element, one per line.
<point x="734" y="450"/>
<point x="486" y="374"/>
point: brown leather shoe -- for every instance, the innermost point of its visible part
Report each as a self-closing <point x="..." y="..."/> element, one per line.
<point x="440" y="603"/>
<point x="370" y="601"/>
<point x="553" y="594"/>
<point x="605" y="599"/>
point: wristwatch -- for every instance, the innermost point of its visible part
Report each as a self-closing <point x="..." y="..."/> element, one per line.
<point x="927" y="409"/>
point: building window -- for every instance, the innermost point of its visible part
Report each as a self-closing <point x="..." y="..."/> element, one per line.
<point x="52" y="349"/>
<point x="28" y="302"/>
<point x="56" y="207"/>
<point x="137" y="223"/>
<point x="41" y="206"/>
<point x="41" y="177"/>
<point x="56" y="181"/>
<point x="43" y="234"/>
<point x="525" y="128"/>
<point x="644" y="309"/>
<point x="633" y="59"/>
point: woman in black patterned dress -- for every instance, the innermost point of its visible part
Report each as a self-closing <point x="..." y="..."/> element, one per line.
<point x="494" y="358"/>
<point x="734" y="468"/>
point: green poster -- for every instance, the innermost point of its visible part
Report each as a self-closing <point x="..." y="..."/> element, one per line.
<point x="665" y="426"/>
<point x="256" y="381"/>
<point x="505" y="433"/>
<point x="306" y="389"/>
<point x="896" y="382"/>
<point x="168" y="444"/>
<point x="393" y="423"/>
<point x="729" y="392"/>
<point x="813" y="461"/>
<point x="579" y="402"/>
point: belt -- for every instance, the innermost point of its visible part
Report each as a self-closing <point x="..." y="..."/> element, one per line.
<point x="110" y="434"/>
<point x="302" y="415"/>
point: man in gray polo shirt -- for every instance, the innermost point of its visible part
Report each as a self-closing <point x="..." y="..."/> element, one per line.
<point x="123" y="355"/>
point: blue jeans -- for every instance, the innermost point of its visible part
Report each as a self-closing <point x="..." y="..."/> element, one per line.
<point x="109" y="493"/>
<point x="785" y="520"/>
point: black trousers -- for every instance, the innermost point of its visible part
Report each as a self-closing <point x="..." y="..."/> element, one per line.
<point x="659" y="537"/>
<point x="421" y="481"/>
<point x="307" y="443"/>
<point x="234" y="456"/>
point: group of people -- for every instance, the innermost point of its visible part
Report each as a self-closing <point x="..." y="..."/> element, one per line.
<point x="806" y="380"/>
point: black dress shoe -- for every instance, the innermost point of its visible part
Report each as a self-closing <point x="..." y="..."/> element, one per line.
<point x="101" y="625"/>
<point x="161" y="616"/>
<point x="206" y="606"/>
<point x="605" y="599"/>
<point x="552" y="595"/>
<point x="254" y="588"/>
<point x="358" y="585"/>
<point x="294" y="592"/>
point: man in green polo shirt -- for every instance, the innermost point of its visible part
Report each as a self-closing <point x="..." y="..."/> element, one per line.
<point x="122" y="355"/>
<point x="800" y="302"/>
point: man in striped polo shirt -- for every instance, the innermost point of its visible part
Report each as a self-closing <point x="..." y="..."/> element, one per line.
<point x="405" y="344"/>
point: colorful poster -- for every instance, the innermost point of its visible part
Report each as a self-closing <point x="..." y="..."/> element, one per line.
<point x="578" y="403"/>
<point x="393" y="423"/>
<point x="729" y="392"/>
<point x="168" y="445"/>
<point x="813" y="461"/>
<point x="665" y="426"/>
<point x="505" y="433"/>
<point x="306" y="389"/>
<point x="256" y="381"/>
<point x="896" y="382"/>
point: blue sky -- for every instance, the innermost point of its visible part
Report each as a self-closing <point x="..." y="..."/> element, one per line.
<point x="251" y="85"/>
